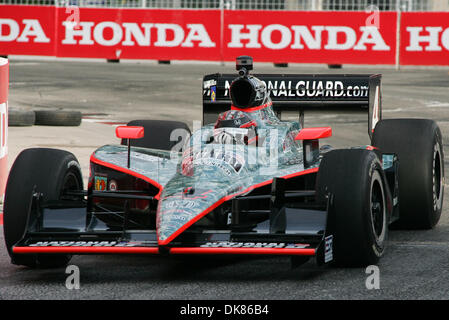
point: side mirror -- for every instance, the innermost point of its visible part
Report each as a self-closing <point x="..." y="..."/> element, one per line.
<point x="129" y="132"/>
<point x="314" y="133"/>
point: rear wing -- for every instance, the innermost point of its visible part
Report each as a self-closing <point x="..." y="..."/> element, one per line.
<point x="303" y="92"/>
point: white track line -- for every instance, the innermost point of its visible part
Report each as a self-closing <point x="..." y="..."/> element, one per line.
<point x="419" y="243"/>
<point x="437" y="104"/>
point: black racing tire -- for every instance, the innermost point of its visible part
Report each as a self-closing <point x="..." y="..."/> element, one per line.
<point x="335" y="66"/>
<point x="359" y="211"/>
<point x="48" y="171"/>
<point x="158" y="134"/>
<point x="419" y="147"/>
<point x="21" y="118"/>
<point x="58" y="118"/>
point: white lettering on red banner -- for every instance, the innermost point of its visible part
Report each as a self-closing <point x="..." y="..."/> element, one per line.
<point x="29" y="28"/>
<point x="291" y="37"/>
<point x="268" y="36"/>
<point x="133" y="34"/>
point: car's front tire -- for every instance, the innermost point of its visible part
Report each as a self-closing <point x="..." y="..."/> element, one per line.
<point x="47" y="171"/>
<point x="360" y="205"/>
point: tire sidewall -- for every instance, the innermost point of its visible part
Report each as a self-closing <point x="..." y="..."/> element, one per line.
<point x="376" y="244"/>
<point x="73" y="168"/>
<point x="436" y="202"/>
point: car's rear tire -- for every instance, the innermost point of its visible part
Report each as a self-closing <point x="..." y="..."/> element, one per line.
<point x="160" y="134"/>
<point x="359" y="211"/>
<point x="48" y="171"/>
<point x="418" y="145"/>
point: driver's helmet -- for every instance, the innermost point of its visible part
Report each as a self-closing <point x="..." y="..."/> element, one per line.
<point x="235" y="127"/>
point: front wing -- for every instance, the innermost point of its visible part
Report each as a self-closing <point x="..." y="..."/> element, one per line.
<point x="71" y="229"/>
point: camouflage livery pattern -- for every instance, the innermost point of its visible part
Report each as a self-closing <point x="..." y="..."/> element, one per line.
<point x="208" y="173"/>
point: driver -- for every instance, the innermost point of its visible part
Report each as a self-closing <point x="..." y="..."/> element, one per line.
<point x="235" y="127"/>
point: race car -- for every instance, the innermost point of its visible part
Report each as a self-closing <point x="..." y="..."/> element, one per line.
<point x="245" y="183"/>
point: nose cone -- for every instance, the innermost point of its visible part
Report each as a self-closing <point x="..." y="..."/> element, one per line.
<point x="180" y="206"/>
<point x="205" y="179"/>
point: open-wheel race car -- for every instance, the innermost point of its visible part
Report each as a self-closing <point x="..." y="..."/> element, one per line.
<point x="245" y="183"/>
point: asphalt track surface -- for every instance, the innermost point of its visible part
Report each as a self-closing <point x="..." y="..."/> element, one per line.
<point x="415" y="266"/>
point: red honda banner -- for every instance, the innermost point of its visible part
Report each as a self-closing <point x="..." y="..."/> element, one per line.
<point x="28" y="30"/>
<point x="425" y="38"/>
<point x="336" y="37"/>
<point x="139" y="34"/>
<point x="311" y="37"/>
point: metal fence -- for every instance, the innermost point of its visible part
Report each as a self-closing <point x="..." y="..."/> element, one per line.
<point x="348" y="5"/>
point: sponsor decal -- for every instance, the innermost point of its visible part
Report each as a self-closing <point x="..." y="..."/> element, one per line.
<point x="229" y="220"/>
<point x="100" y="183"/>
<point x="213" y="163"/>
<point x="176" y="215"/>
<point x="143" y="156"/>
<point x="113" y="185"/>
<point x="307" y="88"/>
<point x="209" y="83"/>
<point x="376" y="116"/>
<point x="234" y="160"/>
<point x="90" y="244"/>
<point x="190" y="193"/>
<point x="180" y="204"/>
<point x="213" y="93"/>
<point x="226" y="244"/>
<point x="328" y="249"/>
<point x="228" y="161"/>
